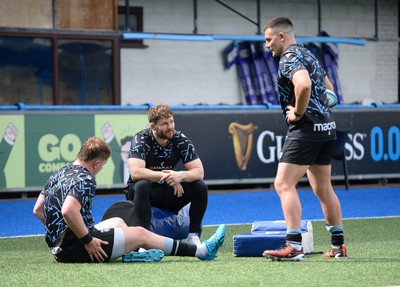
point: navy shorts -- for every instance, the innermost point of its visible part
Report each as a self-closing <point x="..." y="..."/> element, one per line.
<point x="307" y="152"/>
<point x="69" y="249"/>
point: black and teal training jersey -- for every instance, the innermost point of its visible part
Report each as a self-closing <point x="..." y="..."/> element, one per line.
<point x="318" y="123"/>
<point x="144" y="146"/>
<point x="71" y="180"/>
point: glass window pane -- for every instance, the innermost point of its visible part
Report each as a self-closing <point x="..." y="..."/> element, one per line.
<point x="133" y="23"/>
<point x="26" y="71"/>
<point x="121" y="22"/>
<point x="85" y="72"/>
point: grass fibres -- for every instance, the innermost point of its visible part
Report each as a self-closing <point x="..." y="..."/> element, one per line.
<point x="373" y="247"/>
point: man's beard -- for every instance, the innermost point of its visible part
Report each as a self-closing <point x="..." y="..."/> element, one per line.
<point x="164" y="135"/>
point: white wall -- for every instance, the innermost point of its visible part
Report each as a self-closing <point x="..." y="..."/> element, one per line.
<point x="178" y="73"/>
<point x="192" y="72"/>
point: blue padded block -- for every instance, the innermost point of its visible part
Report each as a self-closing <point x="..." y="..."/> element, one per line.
<point x="274" y="226"/>
<point x="252" y="244"/>
<point x="264" y="235"/>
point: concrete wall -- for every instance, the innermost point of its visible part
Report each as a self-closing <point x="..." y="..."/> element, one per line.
<point x="193" y="72"/>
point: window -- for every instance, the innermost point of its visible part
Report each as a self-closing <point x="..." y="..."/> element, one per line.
<point x="45" y="68"/>
<point x="26" y="70"/>
<point x="85" y="69"/>
<point x="130" y="19"/>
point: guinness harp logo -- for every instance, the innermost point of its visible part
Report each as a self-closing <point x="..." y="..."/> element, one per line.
<point x="242" y="136"/>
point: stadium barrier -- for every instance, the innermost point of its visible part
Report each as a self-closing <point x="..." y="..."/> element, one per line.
<point x="237" y="144"/>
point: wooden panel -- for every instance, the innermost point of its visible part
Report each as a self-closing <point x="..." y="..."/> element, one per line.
<point x="26" y="13"/>
<point x="87" y="14"/>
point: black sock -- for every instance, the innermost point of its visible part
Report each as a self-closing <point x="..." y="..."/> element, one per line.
<point x="294" y="237"/>
<point x="183" y="249"/>
<point x="337" y="238"/>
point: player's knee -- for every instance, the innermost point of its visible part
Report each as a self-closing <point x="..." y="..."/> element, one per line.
<point x="139" y="233"/>
<point x="200" y="187"/>
<point x="139" y="191"/>
<point x="119" y="222"/>
<point x="280" y="185"/>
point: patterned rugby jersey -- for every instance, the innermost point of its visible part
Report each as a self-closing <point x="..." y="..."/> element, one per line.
<point x="318" y="123"/>
<point x="71" y="180"/>
<point x="144" y="146"/>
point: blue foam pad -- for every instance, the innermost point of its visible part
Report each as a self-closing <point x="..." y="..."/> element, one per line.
<point x="253" y="244"/>
<point x="274" y="226"/>
<point x="264" y="235"/>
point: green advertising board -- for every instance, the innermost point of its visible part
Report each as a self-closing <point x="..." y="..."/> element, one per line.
<point x="36" y="145"/>
<point x="53" y="141"/>
<point x="118" y="131"/>
<point x="12" y="152"/>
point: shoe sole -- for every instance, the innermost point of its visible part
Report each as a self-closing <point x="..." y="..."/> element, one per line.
<point x="299" y="257"/>
<point x="337" y="257"/>
<point x="151" y="255"/>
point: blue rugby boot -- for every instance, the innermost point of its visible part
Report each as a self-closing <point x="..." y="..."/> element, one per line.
<point x="214" y="243"/>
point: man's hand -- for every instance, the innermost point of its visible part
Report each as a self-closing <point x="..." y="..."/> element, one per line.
<point x="174" y="178"/>
<point x="171" y="176"/>
<point x="95" y="251"/>
<point x="71" y="212"/>
<point x="290" y="115"/>
<point x="178" y="189"/>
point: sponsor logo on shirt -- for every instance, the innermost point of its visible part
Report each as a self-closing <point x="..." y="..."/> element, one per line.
<point x="324" y="127"/>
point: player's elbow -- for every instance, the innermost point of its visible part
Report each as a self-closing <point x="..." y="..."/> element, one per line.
<point x="67" y="213"/>
<point x="38" y="212"/>
<point x="135" y="176"/>
<point x="38" y="209"/>
<point x="199" y="174"/>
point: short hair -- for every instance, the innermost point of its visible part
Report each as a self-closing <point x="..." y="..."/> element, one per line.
<point x="158" y="112"/>
<point x="126" y="139"/>
<point x="94" y="148"/>
<point x="282" y="23"/>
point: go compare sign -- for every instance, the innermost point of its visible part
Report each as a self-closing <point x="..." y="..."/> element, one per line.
<point x="55" y="153"/>
<point x="54" y="141"/>
<point x="35" y="146"/>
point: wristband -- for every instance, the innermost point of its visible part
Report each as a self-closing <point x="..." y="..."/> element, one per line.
<point x="298" y="115"/>
<point x="86" y="239"/>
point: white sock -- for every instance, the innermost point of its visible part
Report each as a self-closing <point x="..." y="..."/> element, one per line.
<point x="192" y="234"/>
<point x="296" y="245"/>
<point x="201" y="250"/>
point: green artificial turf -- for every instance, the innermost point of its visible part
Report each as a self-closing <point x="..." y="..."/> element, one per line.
<point x="373" y="247"/>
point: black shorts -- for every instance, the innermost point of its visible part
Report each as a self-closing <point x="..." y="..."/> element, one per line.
<point x="307" y="152"/>
<point x="69" y="249"/>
